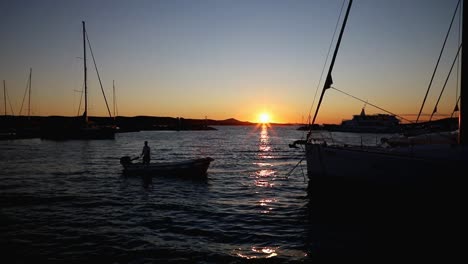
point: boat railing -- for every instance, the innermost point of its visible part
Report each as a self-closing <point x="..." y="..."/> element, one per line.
<point x="348" y="139"/>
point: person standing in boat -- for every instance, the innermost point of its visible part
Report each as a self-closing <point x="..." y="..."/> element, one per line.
<point x="146" y="153"/>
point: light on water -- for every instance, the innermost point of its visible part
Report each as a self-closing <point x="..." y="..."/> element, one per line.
<point x="246" y="208"/>
<point x="250" y="207"/>
<point x="264" y="177"/>
<point x="255" y="252"/>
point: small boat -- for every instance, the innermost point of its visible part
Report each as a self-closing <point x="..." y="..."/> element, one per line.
<point x="192" y="168"/>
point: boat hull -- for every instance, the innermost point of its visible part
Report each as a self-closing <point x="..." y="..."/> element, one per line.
<point x="406" y="165"/>
<point x="79" y="133"/>
<point x="195" y="168"/>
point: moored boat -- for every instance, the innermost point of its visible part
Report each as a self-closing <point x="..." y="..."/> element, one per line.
<point x="416" y="160"/>
<point x="192" y="168"/>
<point x="363" y="123"/>
<point x="81" y="128"/>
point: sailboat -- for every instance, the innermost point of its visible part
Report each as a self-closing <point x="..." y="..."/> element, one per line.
<point x="384" y="202"/>
<point x="6" y="124"/>
<point x="408" y="164"/>
<point x="27" y="127"/>
<point x="79" y="128"/>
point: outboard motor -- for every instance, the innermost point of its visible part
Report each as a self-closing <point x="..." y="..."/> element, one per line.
<point x="125" y="160"/>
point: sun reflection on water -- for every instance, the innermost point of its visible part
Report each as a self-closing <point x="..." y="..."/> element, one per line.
<point x="264" y="146"/>
<point x="266" y="171"/>
<point x="257" y="252"/>
<point x="265" y="174"/>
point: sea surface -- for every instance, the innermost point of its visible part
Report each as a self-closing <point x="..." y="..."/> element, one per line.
<point x="68" y="202"/>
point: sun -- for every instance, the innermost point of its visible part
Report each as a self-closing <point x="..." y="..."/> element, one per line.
<point x="264" y="118"/>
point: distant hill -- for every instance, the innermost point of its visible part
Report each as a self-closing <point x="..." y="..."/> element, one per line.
<point x="229" y="122"/>
<point x="136" y="123"/>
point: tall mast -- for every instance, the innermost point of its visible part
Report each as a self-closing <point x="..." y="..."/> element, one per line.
<point x="29" y="99"/>
<point x="85" y="74"/>
<point x="113" y="92"/>
<point x="329" y="81"/>
<point x="463" y="133"/>
<point x="4" y="95"/>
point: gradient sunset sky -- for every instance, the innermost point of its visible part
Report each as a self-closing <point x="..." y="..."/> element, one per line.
<point x="227" y="58"/>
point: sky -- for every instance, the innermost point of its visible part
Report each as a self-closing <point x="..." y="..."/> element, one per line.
<point x="221" y="59"/>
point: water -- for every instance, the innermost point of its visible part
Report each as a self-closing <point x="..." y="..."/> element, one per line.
<point x="67" y="201"/>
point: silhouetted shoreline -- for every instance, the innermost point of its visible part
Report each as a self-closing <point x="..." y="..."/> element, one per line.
<point x="12" y="127"/>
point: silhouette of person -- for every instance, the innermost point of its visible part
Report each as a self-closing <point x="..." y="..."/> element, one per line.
<point x="146" y="153"/>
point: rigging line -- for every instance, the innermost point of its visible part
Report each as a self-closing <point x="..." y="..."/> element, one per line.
<point x="328" y="80"/>
<point x="116" y="110"/>
<point x="289" y="173"/>
<point x="309" y="120"/>
<point x="9" y="101"/>
<point x="359" y="99"/>
<point x="326" y="60"/>
<point x="303" y="174"/>
<point x="438" y="60"/>
<point x="454" y="110"/>
<point x="295" y="166"/>
<point x="113" y="96"/>
<point x="4" y="97"/>
<point x="29" y="97"/>
<point x="11" y="107"/>
<point x="423" y="114"/>
<point x="460" y="33"/>
<point x="24" y="96"/>
<point x="99" y="77"/>
<point x="81" y="99"/>
<point x="446" y="80"/>
<point x="29" y="94"/>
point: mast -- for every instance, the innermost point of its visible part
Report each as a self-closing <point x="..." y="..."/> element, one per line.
<point x="29" y="97"/>
<point x="85" y="114"/>
<point x="329" y="81"/>
<point x="113" y="95"/>
<point x="463" y="133"/>
<point x="4" y="95"/>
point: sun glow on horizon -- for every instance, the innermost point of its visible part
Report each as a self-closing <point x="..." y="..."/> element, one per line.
<point x="264" y="118"/>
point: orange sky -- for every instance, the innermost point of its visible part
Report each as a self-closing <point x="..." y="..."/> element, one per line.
<point x="229" y="59"/>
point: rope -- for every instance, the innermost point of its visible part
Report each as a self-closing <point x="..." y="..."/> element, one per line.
<point x="328" y="80"/>
<point x="438" y="60"/>
<point x="370" y="104"/>
<point x="289" y="173"/>
<point x="446" y="80"/>
<point x="81" y="99"/>
<point x="99" y="77"/>
<point x="7" y="98"/>
<point x="24" y="96"/>
<point x="325" y="63"/>
<point x="456" y="107"/>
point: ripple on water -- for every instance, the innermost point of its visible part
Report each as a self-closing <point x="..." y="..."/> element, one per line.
<point x="71" y="203"/>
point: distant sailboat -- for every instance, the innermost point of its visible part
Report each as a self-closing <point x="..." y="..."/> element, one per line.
<point x="27" y="127"/>
<point x="81" y="128"/>
<point x="6" y="125"/>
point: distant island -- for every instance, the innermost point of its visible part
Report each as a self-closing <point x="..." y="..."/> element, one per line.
<point x="139" y="123"/>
